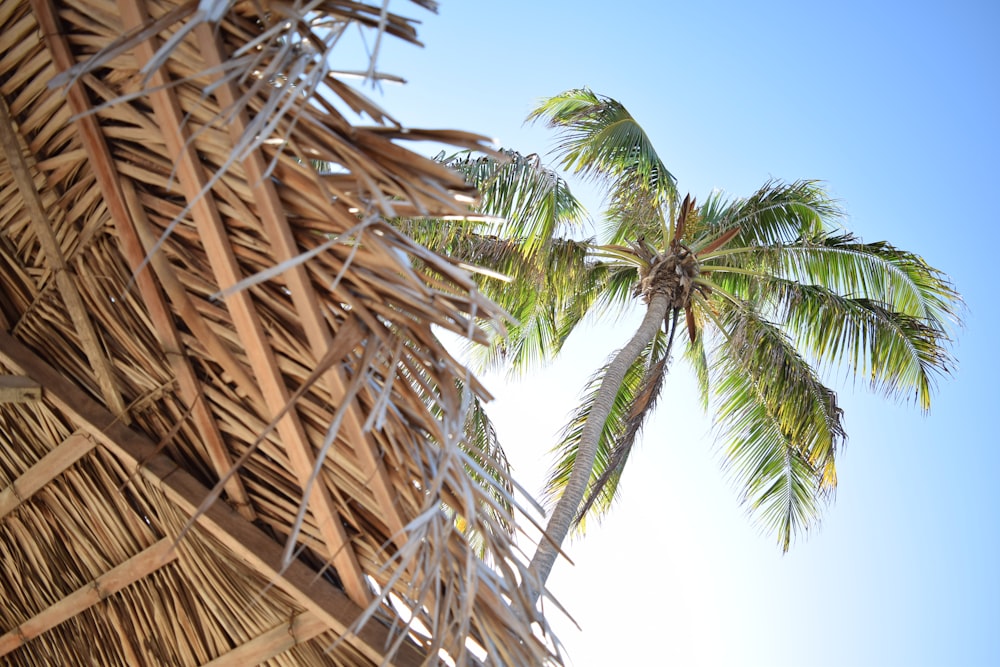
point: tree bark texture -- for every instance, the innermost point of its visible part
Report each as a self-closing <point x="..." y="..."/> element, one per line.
<point x="566" y="508"/>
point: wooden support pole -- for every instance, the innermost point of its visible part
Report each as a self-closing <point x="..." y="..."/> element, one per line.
<point x="135" y="568"/>
<point x="275" y="641"/>
<point x="71" y="450"/>
<point x="275" y="222"/>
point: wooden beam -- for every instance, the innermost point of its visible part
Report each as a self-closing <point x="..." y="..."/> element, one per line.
<point x="276" y="226"/>
<point x="19" y="389"/>
<point x="122" y="202"/>
<point x="275" y="641"/>
<point x="135" y="568"/>
<point x="71" y="450"/>
<point x="194" y="180"/>
<point x="249" y="545"/>
<point x="65" y="278"/>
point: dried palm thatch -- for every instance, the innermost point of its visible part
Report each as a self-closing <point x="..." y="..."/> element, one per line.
<point x="228" y="433"/>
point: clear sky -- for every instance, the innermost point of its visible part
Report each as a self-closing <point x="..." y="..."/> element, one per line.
<point x="897" y="107"/>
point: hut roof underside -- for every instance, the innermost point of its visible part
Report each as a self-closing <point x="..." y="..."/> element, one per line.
<point x="227" y="428"/>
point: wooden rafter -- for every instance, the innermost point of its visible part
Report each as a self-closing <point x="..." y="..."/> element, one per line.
<point x="299" y="629"/>
<point x="20" y="168"/>
<point x="71" y="450"/>
<point x="193" y="180"/>
<point x="304" y="296"/>
<point x="135" y="568"/>
<point x="122" y="202"/>
<point x="249" y="545"/>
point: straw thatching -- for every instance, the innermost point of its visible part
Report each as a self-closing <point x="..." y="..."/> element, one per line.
<point x="228" y="433"/>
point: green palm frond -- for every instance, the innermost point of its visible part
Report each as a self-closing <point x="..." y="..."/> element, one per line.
<point x="602" y="290"/>
<point x="522" y="203"/>
<point x="900" y="355"/>
<point x="777" y="213"/>
<point x="539" y="297"/>
<point x="437" y="235"/>
<point x="636" y="255"/>
<point x="780" y="488"/>
<point x="529" y="340"/>
<point x="883" y="312"/>
<point x="613" y="289"/>
<point x="533" y="204"/>
<point x="780" y="426"/>
<point x="807" y="409"/>
<point x="569" y="267"/>
<point x="532" y="245"/>
<point x="902" y="280"/>
<point x="600" y="139"/>
<point x="842" y="263"/>
<point x="551" y="303"/>
<point x="491" y="471"/>
<point x="523" y="230"/>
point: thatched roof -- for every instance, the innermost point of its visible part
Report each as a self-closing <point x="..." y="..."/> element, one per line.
<point x="144" y="175"/>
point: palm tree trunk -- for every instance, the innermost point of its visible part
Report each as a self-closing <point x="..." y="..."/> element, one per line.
<point x="569" y="503"/>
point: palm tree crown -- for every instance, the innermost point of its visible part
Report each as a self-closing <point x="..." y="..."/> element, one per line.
<point x="768" y="290"/>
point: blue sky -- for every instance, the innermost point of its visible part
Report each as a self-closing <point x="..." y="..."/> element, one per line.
<point x="897" y="108"/>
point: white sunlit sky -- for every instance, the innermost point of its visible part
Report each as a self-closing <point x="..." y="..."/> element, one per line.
<point x="896" y="106"/>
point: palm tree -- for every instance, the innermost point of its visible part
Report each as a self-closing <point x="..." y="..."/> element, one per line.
<point x="769" y="289"/>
